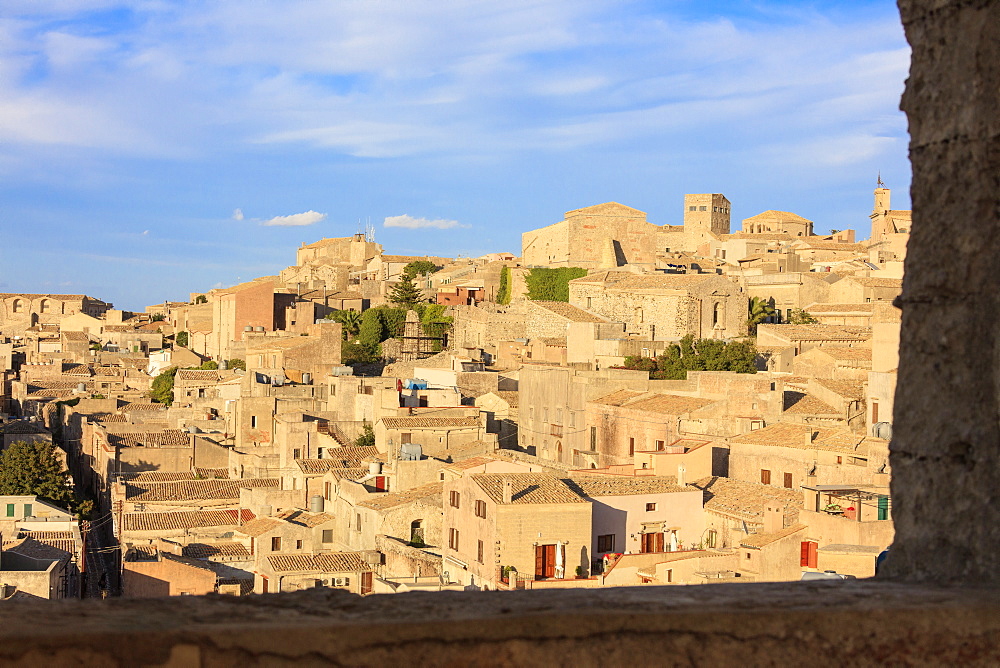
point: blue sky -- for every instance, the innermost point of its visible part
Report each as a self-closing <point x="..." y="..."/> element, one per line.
<point x="150" y="149"/>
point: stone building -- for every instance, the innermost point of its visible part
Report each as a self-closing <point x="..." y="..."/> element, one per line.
<point x="781" y="222"/>
<point x="890" y="229"/>
<point x="706" y="214"/>
<point x="19" y="311"/>
<point x="664" y="307"/>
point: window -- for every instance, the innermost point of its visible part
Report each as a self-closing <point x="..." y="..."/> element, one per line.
<point x="593" y="438"/>
<point x="788" y="480"/>
<point x="650" y="507"/>
<point x="10" y="510"/>
<point x="692" y="208"/>
<point x="703" y="208"/>
<point x="454" y="499"/>
<point x="327" y="488"/>
<point x="298" y="545"/>
<point x="631" y="446"/>
<point x="357" y="526"/>
<point x="713" y="536"/>
<point x="275" y="543"/>
<point x="406" y="437"/>
<point x="606" y="543"/>
<point x="660" y="445"/>
<point x="253" y="421"/>
<point x="840" y="460"/>
<point x="327" y="535"/>
<point x="765" y="477"/>
<point x="572" y="419"/>
<point x="453" y="539"/>
<point x="27" y="510"/>
<point x="874" y="412"/>
<point x="479" y="551"/>
<point x="481" y="509"/>
<point x="296" y="453"/>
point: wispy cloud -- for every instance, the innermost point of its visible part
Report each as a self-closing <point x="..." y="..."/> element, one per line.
<point x="411" y="223"/>
<point x="237" y="214"/>
<point x="295" y="220"/>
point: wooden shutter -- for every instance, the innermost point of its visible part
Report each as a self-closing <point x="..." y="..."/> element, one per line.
<point x="804" y="554"/>
<point x="765" y="477"/>
<point x="550" y="561"/>
<point x="788" y="480"/>
<point x="539" y="561"/>
<point x="659" y="542"/>
<point x="812" y="553"/>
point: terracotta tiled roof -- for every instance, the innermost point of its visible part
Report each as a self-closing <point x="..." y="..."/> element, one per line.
<point x="194" y="490"/>
<point x="22" y="427"/>
<point x="143" y="406"/>
<point x="191" y="519"/>
<point x="569" y="312"/>
<point x="610" y="485"/>
<point x="259" y="526"/>
<point x="832" y="246"/>
<point x="746" y="500"/>
<point x="208" y="375"/>
<point x="777" y="216"/>
<point x="670" y="404"/>
<point x="431" y="491"/>
<point x="759" y="540"/>
<point x="800" y="403"/>
<point x="826" y="309"/>
<point x="789" y="435"/>
<point x="845" y="388"/>
<point x="79" y="337"/>
<point x="819" y="332"/>
<point x="305" y="518"/>
<point x="870" y="282"/>
<point x="208" y="550"/>
<point x="469" y="463"/>
<point x="617" y="398"/>
<point x="166" y="438"/>
<point x="160" y="476"/>
<point x="554" y="341"/>
<point x="29" y="547"/>
<point x="527" y="488"/>
<point x="328" y="562"/>
<point x="847" y="354"/>
<point x="512" y="398"/>
<point x="49" y="394"/>
<point x="626" y="280"/>
<point x="430" y="422"/>
<point x="214" y="474"/>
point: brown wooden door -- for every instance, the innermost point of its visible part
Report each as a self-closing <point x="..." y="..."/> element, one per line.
<point x="545" y="561"/>
<point x="366" y="583"/>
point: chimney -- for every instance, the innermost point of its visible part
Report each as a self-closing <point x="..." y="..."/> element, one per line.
<point x="508" y="490"/>
<point x="680" y="474"/>
<point x="809" y="436"/>
<point x="774" y="518"/>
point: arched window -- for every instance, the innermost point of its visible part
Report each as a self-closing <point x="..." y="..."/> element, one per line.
<point x="46" y="305"/>
<point x="417" y="532"/>
<point x="716" y="309"/>
<point x="18" y="306"/>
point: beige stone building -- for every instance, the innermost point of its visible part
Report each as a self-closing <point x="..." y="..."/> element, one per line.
<point x="706" y="214"/>
<point x="664" y="307"/>
<point x="890" y="229"/>
<point x="778" y="222"/>
<point x="19" y="311"/>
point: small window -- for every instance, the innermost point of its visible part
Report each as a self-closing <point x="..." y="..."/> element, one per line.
<point x="606" y="543"/>
<point x="692" y="208"/>
<point x="703" y="208"/>
<point x="788" y="480"/>
<point x="660" y="445"/>
<point x="327" y="535"/>
<point x="453" y="539"/>
<point x="27" y="510"/>
<point x="481" y="509"/>
<point x="765" y="477"/>
<point x="748" y="555"/>
<point x="479" y="551"/>
<point x="455" y="499"/>
<point x="650" y="507"/>
<point x="296" y="453"/>
<point x="10" y="510"/>
<point x="631" y="447"/>
<point x="298" y="545"/>
<point x="327" y="489"/>
<point x="253" y="421"/>
<point x="713" y="536"/>
<point x="357" y="526"/>
<point x="275" y="543"/>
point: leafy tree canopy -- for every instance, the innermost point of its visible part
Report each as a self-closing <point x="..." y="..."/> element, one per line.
<point x="349" y="319"/>
<point x="367" y="437"/>
<point x="760" y="310"/>
<point x="419" y="267"/>
<point x="33" y="469"/>
<point x="162" y="389"/>
<point x="800" y="317"/>
<point x="181" y="339"/>
<point x="201" y="299"/>
<point x="236" y="363"/>
<point x="504" y="293"/>
<point x="689" y="354"/>
<point x="158" y="317"/>
<point x="551" y="284"/>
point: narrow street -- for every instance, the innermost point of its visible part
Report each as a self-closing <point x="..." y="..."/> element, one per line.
<point x="102" y="575"/>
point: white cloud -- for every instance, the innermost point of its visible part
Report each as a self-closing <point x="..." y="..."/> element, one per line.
<point x="296" y="219"/>
<point x="145" y="233"/>
<point x="237" y="214"/>
<point x="411" y="223"/>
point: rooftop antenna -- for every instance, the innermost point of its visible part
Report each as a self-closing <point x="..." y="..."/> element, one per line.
<point x="369" y="231"/>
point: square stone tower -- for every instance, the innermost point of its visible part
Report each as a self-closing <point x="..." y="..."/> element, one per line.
<point x="706" y="213"/>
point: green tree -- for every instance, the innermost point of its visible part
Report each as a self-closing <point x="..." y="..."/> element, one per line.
<point x="162" y="389"/>
<point x="349" y="319"/>
<point x="551" y="284"/>
<point x="201" y="299"/>
<point x="208" y="365"/>
<point x="181" y="339"/>
<point x="689" y="354"/>
<point x="406" y="293"/>
<point x="367" y="437"/>
<point x="371" y="331"/>
<point x="759" y="310"/>
<point x="354" y="352"/>
<point x="800" y="317"/>
<point x="158" y="317"/>
<point x="419" y="267"/>
<point x="33" y="469"/>
<point x="503" y="293"/>
<point x="236" y="363"/>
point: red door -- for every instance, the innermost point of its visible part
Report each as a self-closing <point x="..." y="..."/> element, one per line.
<point x="651" y="542"/>
<point x="545" y="561"/>
<point x="366" y="583"/>
<point x="807" y="554"/>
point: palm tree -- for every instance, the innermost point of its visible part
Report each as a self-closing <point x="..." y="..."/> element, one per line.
<point x="760" y="310"/>
<point x="351" y="320"/>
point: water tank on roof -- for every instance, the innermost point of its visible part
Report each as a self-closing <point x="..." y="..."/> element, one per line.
<point x="374" y="468"/>
<point x="248" y="328"/>
<point x="316" y="503"/>
<point x="410" y="452"/>
<point x="258" y="328"/>
<point x="223" y="365"/>
<point x="882" y="430"/>
<point x="81" y="387"/>
<point x="307" y="379"/>
<point x="193" y="429"/>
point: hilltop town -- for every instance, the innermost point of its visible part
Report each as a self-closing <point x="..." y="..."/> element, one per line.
<point x="625" y="403"/>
